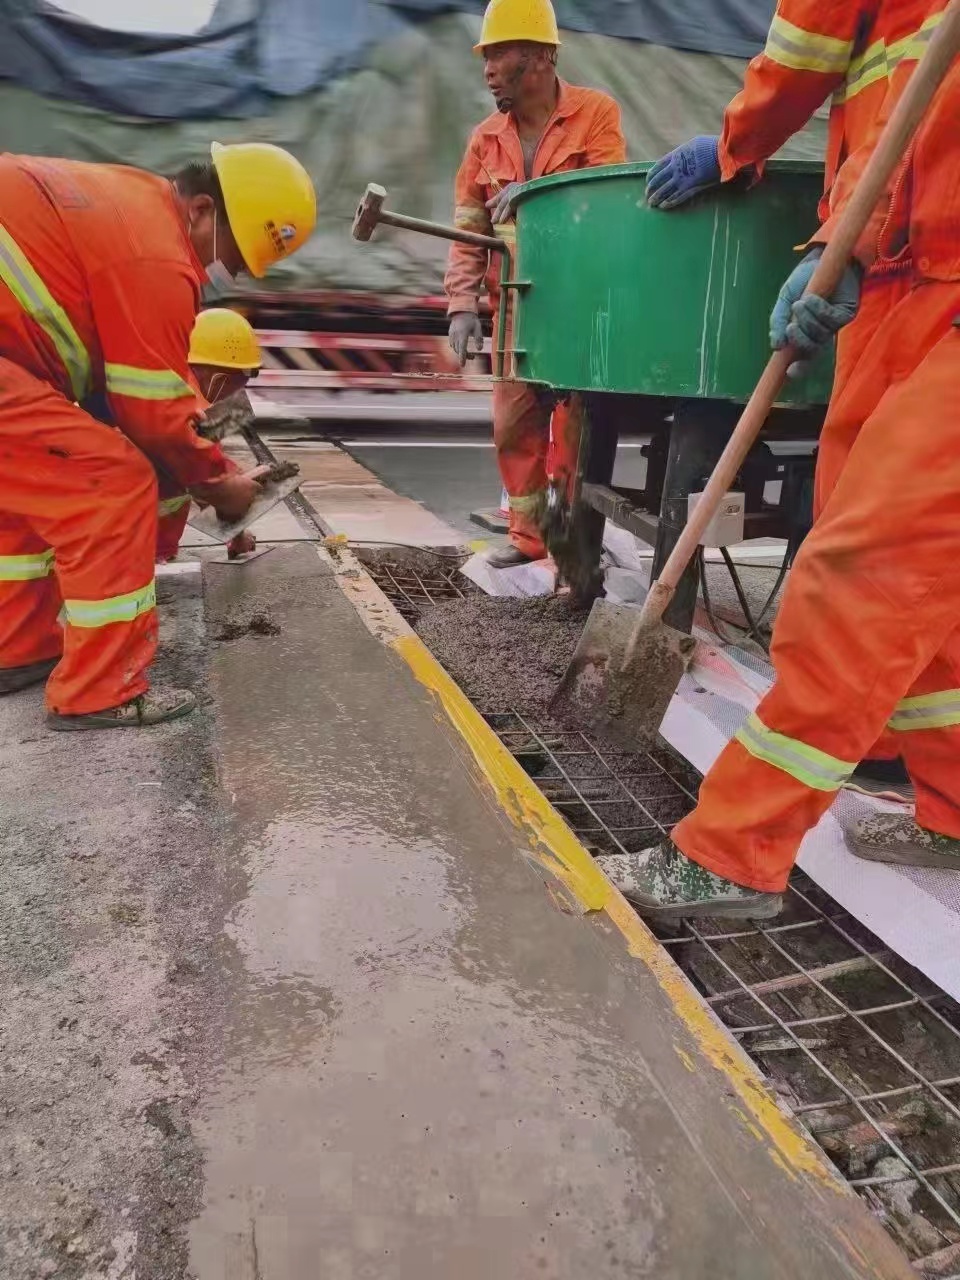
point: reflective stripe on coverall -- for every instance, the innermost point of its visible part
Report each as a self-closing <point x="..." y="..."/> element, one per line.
<point x="584" y="131"/>
<point x="99" y="287"/>
<point x="867" y="635"/>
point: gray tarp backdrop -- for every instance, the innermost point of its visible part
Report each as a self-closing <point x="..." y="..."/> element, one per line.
<point x="361" y="92"/>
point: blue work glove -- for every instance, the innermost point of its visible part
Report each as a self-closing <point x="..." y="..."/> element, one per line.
<point x="809" y="323"/>
<point x="501" y="204"/>
<point x="684" y="173"/>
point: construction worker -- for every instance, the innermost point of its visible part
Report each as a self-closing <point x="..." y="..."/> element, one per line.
<point x="541" y="125"/>
<point x="813" y="51"/>
<point x="224" y="355"/>
<point x="101" y="270"/>
<point x="867" y="634"/>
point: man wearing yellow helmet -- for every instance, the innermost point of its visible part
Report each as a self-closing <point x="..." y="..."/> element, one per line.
<point x="541" y="125"/>
<point x="224" y="356"/>
<point x="101" y="273"/>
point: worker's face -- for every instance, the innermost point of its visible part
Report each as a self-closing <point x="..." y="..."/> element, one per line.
<point x="516" y="71"/>
<point x="211" y="235"/>
<point x="216" y="384"/>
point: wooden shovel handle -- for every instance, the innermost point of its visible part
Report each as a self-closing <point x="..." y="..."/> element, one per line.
<point x="890" y="150"/>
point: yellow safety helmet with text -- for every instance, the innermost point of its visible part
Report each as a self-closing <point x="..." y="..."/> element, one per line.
<point x="270" y="199"/>
<point x="507" y="20"/>
<point x="224" y="340"/>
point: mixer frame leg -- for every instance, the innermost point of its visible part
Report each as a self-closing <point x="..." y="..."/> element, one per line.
<point x="700" y="430"/>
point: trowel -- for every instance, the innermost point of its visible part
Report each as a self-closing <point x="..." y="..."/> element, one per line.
<point x="628" y="663"/>
<point x="282" y="480"/>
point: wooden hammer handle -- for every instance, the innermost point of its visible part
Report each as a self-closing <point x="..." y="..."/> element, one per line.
<point x="442" y="231"/>
<point x="870" y="190"/>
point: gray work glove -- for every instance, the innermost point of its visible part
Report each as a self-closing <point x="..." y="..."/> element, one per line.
<point x="465" y="327"/>
<point x="500" y="206"/>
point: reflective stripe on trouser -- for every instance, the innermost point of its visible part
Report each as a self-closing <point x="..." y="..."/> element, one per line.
<point x="867" y="633"/>
<point x="174" y="513"/>
<point x="81" y="488"/>
<point x="527" y="431"/>
<point x="29" y="597"/>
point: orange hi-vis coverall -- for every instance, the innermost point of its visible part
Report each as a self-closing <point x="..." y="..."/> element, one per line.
<point x="99" y="287"/>
<point x="850" y="51"/>
<point x="584" y="131"/>
<point x="868" y="635"/>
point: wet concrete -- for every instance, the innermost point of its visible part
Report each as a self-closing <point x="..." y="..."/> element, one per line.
<point x="426" y="1067"/>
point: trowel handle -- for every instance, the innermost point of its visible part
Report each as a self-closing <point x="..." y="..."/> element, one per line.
<point x="890" y="150"/>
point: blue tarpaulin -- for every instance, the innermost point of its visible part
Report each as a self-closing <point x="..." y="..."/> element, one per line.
<point x="253" y="52"/>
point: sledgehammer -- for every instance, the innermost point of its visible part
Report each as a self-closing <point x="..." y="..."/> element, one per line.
<point x="371" y="213"/>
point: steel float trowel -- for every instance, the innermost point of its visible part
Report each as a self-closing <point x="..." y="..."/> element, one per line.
<point x="282" y="480"/>
<point x="228" y="417"/>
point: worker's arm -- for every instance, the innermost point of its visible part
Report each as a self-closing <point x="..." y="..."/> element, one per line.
<point x="852" y="169"/>
<point x="605" y="141"/>
<point x="467" y="266"/>
<point x="144" y="313"/>
<point x="807" y="56"/>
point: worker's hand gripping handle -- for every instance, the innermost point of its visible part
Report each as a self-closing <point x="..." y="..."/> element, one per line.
<point x="892" y="146"/>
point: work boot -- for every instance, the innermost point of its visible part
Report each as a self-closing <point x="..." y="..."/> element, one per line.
<point x="13" y="679"/>
<point x="664" y="884"/>
<point x="897" y="838"/>
<point x="508" y="557"/>
<point x="156" y="707"/>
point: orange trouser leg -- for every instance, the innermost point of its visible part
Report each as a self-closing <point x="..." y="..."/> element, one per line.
<point x="882" y="293"/>
<point x="29" y="596"/>
<point x="869" y="615"/>
<point x="521" y="433"/>
<point x="84" y="490"/>
<point x="173" y="511"/>
<point x="565" y="429"/>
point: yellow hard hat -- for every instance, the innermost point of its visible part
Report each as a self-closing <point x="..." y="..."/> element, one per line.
<point x="507" y="20"/>
<point x="271" y="203"/>
<point x="223" y="339"/>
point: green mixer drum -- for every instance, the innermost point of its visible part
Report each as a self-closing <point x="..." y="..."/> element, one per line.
<point x="615" y="296"/>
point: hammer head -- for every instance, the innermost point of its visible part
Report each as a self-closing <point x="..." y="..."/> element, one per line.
<point x="368" y="212"/>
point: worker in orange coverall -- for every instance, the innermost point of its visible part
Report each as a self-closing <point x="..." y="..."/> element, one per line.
<point x="867" y="635"/>
<point x="101" y="269"/>
<point x="542" y="125"/>
<point x="814" y="50"/>
<point x="224" y="355"/>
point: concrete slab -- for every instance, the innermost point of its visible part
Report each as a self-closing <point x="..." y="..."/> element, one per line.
<point x="285" y="995"/>
<point x="373" y="513"/>
<point x="430" y="1067"/>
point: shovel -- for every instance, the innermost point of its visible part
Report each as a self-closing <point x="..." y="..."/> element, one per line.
<point x="628" y="663"/>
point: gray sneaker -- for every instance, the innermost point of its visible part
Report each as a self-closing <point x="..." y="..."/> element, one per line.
<point x="13" y="679"/>
<point x="156" y="707"/>
<point x="664" y="884"/>
<point x="896" y="838"/>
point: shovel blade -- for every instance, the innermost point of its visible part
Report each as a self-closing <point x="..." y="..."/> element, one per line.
<point x="625" y="704"/>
